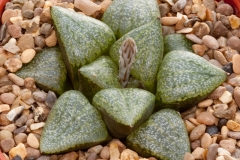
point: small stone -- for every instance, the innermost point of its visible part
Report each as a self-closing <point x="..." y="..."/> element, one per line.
<point x="226" y="97"/>
<point x="212" y="151"/>
<point x="45" y="16"/>
<point x="104" y="154"/>
<point x="235" y="135"/>
<point x="20" y="130"/>
<point x="97" y="149"/>
<point x="28" y="6"/>
<point x="20" y="138"/>
<point x="113" y="150"/>
<point x="224" y="132"/>
<point x="12" y="48"/>
<point x="7" y="144"/>
<point x="206" y="140"/>
<point x="236" y="63"/>
<point x="168" y="30"/>
<point x="220" y="57"/>
<point x="32" y="141"/>
<point x="169" y="21"/>
<point x="28" y="55"/>
<point x="4" y="107"/>
<point x="234" y="43"/>
<point x="197" y="132"/>
<point x="5" y="81"/>
<point x="3" y="119"/>
<point x="188" y="156"/>
<point x="25" y="42"/>
<point x="15" y="79"/>
<point x="50" y="99"/>
<point x="234" y="21"/>
<point x="87" y="7"/>
<point x="189" y="126"/>
<point x="179" y="5"/>
<point x="221" y="151"/>
<point x="7" y="98"/>
<point x="232" y="125"/>
<point x="6" y="89"/>
<point x="227" y="157"/>
<point x="225" y="9"/>
<point x="37" y="11"/>
<point x="51" y="40"/>
<point x="228" y="145"/>
<point x="7" y="14"/>
<point x="210" y="4"/>
<point x="70" y="155"/>
<point x="228" y="68"/>
<point x="194" y="38"/>
<point x="36" y="126"/>
<point x="211" y="130"/>
<point x="44" y="157"/>
<point x="202" y="12"/>
<point x="198" y="153"/>
<point x="21" y="121"/>
<point x="222" y="122"/>
<point x="205" y="103"/>
<point x="219" y="30"/>
<point x="91" y="156"/>
<point x="127" y="153"/>
<point x="164" y="9"/>
<point x="14" y="31"/>
<point x="4" y="134"/>
<point x="206" y="118"/>
<point x="210" y="42"/>
<point x="201" y="29"/>
<point x="222" y="41"/>
<point x="185" y="30"/>
<point x="225" y="21"/>
<point x="236" y="95"/>
<point x="234" y="81"/>
<point x="39" y="41"/>
<point x="32" y="153"/>
<point x="46" y="29"/>
<point x="29" y="14"/>
<point x="19" y="150"/>
<point x="40" y="96"/>
<point x="211" y="16"/>
<point x="199" y="49"/>
<point x="25" y="94"/>
<point x="14" y="113"/>
<point x="2" y="71"/>
<point x="195" y="144"/>
<point x="13" y="64"/>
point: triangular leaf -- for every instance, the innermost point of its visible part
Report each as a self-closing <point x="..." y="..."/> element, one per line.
<point x="72" y="124"/>
<point x="82" y="39"/>
<point x="123" y="110"/>
<point x="184" y="79"/>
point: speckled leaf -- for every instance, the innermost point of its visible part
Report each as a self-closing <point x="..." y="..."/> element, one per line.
<point x="48" y="70"/>
<point x="82" y="39"/>
<point x="149" y="43"/>
<point x="177" y="41"/>
<point x="100" y="74"/>
<point x="73" y="124"/>
<point x="162" y="136"/>
<point x="184" y="79"/>
<point x="125" y="109"/>
<point x="125" y="15"/>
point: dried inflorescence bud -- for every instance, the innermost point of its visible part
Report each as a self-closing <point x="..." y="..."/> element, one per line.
<point x="127" y="52"/>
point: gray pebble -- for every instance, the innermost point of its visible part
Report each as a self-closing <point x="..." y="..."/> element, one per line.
<point x="225" y="9"/>
<point x="219" y="30"/>
<point x="212" y="151"/>
<point x="234" y="43"/>
<point x="50" y="99"/>
<point x="28" y="14"/>
<point x="20" y="130"/>
<point x="235" y="135"/>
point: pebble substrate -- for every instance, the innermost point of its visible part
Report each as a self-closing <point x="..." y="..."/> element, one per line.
<point x="213" y="124"/>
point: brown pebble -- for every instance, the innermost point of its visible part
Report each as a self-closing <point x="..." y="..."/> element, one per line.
<point x="39" y="41"/>
<point x="200" y="29"/>
<point x="232" y="125"/>
<point x="7" y="144"/>
<point x="188" y="156"/>
<point x="20" y="138"/>
<point x="210" y="42"/>
<point x="28" y="55"/>
<point x="92" y="156"/>
<point x="7" y="98"/>
<point x="32" y="141"/>
<point x="217" y="92"/>
<point x="70" y="155"/>
<point x="25" y="42"/>
<point x="14" y="31"/>
<point x="4" y="120"/>
<point x="198" y="153"/>
<point x="15" y="79"/>
<point x="206" y="140"/>
<point x="21" y="120"/>
<point x="219" y="30"/>
<point x="7" y="14"/>
<point x="45" y="16"/>
<point x="206" y="118"/>
<point x="220" y="57"/>
<point x="236" y="63"/>
<point x="228" y="145"/>
<point x="104" y="154"/>
<point x="212" y="151"/>
<point x="234" y="43"/>
<point x="236" y="95"/>
<point x="51" y="41"/>
<point x="225" y="9"/>
<point x="4" y="134"/>
<point x="32" y="153"/>
<point x="197" y="132"/>
<point x="13" y="64"/>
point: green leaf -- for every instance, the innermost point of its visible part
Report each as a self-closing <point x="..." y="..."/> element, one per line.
<point x="82" y="39"/>
<point x="48" y="70"/>
<point x="162" y="136"/>
<point x="184" y="79"/>
<point x="149" y="43"/>
<point x="100" y="74"/>
<point x="73" y="124"/>
<point x="123" y="110"/>
<point x="125" y="15"/>
<point x="177" y="41"/>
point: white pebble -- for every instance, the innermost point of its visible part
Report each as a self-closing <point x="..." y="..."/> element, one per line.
<point x="210" y="42"/>
<point x="14" y="112"/>
<point x="194" y="38"/>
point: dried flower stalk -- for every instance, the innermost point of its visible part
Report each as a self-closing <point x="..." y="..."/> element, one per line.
<point x="127" y="52"/>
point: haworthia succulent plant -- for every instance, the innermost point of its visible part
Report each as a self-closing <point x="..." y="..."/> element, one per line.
<point x="82" y="39"/>
<point x="125" y="15"/>
<point x="48" y="70"/>
<point x="162" y="136"/>
<point x="123" y="110"/>
<point x="72" y="124"/>
<point x="149" y="42"/>
<point x="100" y="74"/>
<point x="184" y="79"/>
